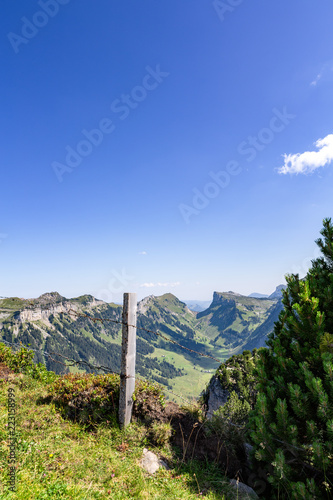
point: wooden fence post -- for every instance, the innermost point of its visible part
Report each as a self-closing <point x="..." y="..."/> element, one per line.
<point x="128" y="353"/>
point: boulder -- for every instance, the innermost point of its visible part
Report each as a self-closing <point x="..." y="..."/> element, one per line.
<point x="244" y="492"/>
<point x="151" y="463"/>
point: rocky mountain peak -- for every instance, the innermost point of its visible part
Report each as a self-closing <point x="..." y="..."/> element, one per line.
<point x="50" y="297"/>
<point x="218" y="298"/>
<point x="277" y="294"/>
<point x="144" y="304"/>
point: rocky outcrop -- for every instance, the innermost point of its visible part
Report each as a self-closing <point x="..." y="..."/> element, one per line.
<point x="144" y="304"/>
<point x="217" y="396"/>
<point x="41" y="313"/>
<point x="219" y="299"/>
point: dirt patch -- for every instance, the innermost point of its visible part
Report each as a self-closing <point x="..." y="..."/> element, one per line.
<point x="190" y="437"/>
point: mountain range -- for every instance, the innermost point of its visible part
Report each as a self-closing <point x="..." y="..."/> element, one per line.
<point x="231" y="323"/>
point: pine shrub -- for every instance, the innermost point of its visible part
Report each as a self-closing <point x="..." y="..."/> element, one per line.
<point x="291" y="425"/>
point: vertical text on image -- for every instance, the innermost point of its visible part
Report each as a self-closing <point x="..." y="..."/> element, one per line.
<point x="12" y="438"/>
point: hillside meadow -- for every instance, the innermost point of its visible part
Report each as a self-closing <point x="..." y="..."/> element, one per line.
<point x="58" y="458"/>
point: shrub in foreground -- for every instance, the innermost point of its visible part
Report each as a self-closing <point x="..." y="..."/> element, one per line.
<point x="292" y="423"/>
<point x="86" y="398"/>
<point x="21" y="362"/>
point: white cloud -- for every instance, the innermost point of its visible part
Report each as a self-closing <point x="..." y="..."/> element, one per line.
<point x="143" y="253"/>
<point x="325" y="71"/>
<point x="309" y="161"/>
<point x="151" y="285"/>
<point x="316" y="80"/>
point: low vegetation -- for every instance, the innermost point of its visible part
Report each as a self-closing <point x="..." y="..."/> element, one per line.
<point x="69" y="444"/>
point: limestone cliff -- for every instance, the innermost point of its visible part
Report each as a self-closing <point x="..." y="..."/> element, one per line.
<point x="41" y="313"/>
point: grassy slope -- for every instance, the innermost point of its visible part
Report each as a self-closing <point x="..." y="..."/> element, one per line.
<point x="57" y="459"/>
<point x="189" y="385"/>
<point x="14" y="303"/>
<point x="194" y="382"/>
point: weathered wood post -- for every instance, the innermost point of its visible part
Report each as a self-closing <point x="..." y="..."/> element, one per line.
<point x="128" y="354"/>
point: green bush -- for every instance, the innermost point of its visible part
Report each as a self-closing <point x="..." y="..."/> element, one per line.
<point x="196" y="409"/>
<point x="229" y="421"/>
<point x="21" y="362"/>
<point x="238" y="374"/>
<point x="235" y="409"/>
<point x="90" y="399"/>
<point x="16" y="361"/>
<point x="146" y="389"/>
<point x="149" y="401"/>
<point x="292" y="424"/>
<point x="86" y="398"/>
<point x="160" y="433"/>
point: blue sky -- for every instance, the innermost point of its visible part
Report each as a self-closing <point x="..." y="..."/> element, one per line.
<point x="148" y="147"/>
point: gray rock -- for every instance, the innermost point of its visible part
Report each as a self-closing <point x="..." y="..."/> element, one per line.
<point x="245" y="491"/>
<point x="217" y="396"/>
<point x="248" y="448"/>
<point x="151" y="463"/>
<point x="219" y="299"/>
